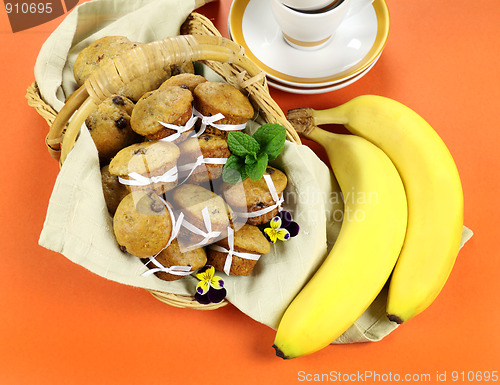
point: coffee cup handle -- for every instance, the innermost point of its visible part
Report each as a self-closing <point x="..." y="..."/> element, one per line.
<point x="357" y="6"/>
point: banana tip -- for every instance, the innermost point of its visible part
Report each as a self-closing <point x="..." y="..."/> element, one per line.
<point x="279" y="352"/>
<point x="395" y="318"/>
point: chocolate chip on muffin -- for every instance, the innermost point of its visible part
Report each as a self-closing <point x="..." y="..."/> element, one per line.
<point x="187" y="67"/>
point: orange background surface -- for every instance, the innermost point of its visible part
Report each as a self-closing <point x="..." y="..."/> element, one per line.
<point x="61" y="324"/>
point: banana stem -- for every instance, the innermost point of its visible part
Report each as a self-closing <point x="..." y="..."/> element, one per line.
<point x="305" y="119"/>
<point x="329" y="116"/>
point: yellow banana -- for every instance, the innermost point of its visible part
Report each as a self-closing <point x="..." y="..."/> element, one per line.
<point x="364" y="254"/>
<point x="433" y="190"/>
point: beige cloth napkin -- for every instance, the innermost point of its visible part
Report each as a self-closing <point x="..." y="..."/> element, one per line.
<point x="78" y="225"/>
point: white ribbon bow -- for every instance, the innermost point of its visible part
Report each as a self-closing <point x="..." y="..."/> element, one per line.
<point x="174" y="270"/>
<point x="141" y="180"/>
<point x="231" y="251"/>
<point x="180" y="129"/>
<point x="210" y="121"/>
<point x="274" y="194"/>
<point x="208" y="225"/>
<point x="199" y="161"/>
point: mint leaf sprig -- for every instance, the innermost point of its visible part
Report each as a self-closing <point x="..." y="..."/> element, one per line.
<point x="251" y="154"/>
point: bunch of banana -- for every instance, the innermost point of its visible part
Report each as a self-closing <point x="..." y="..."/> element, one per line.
<point x="364" y="254"/>
<point x="340" y="289"/>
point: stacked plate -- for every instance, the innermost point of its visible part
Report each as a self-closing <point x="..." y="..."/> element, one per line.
<point x="351" y="53"/>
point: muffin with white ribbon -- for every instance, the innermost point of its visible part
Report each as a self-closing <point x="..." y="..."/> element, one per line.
<point x="172" y="263"/>
<point x="257" y="201"/>
<point x="202" y="158"/>
<point x="239" y="252"/>
<point x="206" y="215"/>
<point x="148" y="166"/>
<point x="221" y="107"/>
<point x="164" y="114"/>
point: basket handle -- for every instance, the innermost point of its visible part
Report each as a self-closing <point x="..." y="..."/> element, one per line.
<point x="112" y="76"/>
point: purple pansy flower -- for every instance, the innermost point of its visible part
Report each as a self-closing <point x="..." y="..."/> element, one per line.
<point x="281" y="227"/>
<point x="210" y="289"/>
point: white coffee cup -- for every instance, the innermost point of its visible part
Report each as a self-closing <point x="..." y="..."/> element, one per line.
<point x="313" y="30"/>
<point x="309" y="5"/>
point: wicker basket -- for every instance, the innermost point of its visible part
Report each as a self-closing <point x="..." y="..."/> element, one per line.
<point x="199" y="41"/>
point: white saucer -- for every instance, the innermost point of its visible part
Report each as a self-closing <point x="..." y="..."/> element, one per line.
<point x="320" y="89"/>
<point x="356" y="44"/>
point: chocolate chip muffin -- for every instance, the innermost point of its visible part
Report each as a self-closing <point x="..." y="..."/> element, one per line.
<point x="175" y="256"/>
<point x="142" y="224"/>
<point x="249" y="197"/>
<point x="106" y="49"/>
<point x="100" y="51"/>
<point x="147" y="166"/>
<point x="112" y="189"/>
<point x="135" y="89"/>
<point x="193" y="201"/>
<point x="188" y="81"/>
<point x="171" y="105"/>
<point x="249" y="240"/>
<point x="209" y="147"/>
<point x="211" y="98"/>
<point x="182" y="68"/>
<point x="109" y="126"/>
